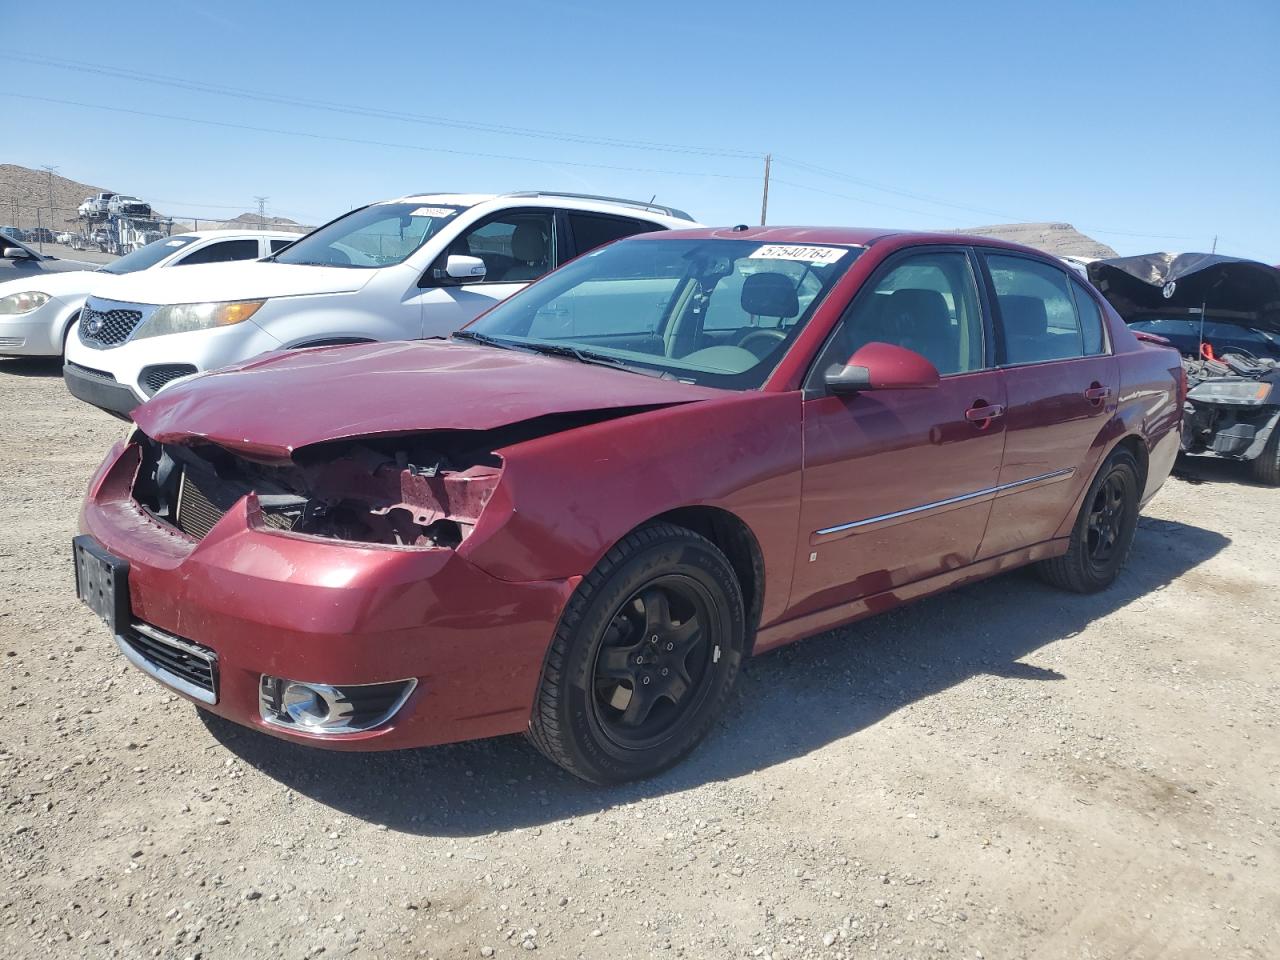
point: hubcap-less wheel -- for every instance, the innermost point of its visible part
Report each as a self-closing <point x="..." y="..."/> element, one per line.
<point x="1107" y="515"/>
<point x="1103" y="531"/>
<point x="651" y="664"/>
<point x="644" y="657"/>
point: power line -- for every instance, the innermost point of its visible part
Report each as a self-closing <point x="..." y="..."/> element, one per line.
<point x="529" y="132"/>
<point x="375" y="112"/>
<point x="372" y="143"/>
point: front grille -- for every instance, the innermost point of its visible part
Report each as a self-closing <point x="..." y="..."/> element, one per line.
<point x="107" y="328"/>
<point x="156" y="376"/>
<point x="197" y="513"/>
<point x="168" y="657"/>
<point x="90" y="372"/>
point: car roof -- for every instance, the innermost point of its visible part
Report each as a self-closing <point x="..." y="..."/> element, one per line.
<point x="845" y="236"/>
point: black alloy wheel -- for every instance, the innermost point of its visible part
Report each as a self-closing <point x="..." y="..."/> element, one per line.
<point x="650" y="665"/>
<point x="1106" y="520"/>
<point x="1104" y="529"/>
<point x="644" y="657"/>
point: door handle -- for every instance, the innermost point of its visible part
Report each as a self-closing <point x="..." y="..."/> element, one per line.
<point x="1097" y="393"/>
<point x="981" y="414"/>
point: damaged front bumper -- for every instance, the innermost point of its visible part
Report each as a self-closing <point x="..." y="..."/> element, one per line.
<point x="1227" y="432"/>
<point x="267" y="603"/>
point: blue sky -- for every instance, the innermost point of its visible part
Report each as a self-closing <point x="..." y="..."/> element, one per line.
<point x="1149" y="125"/>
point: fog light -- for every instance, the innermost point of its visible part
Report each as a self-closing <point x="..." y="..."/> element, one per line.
<point x="324" y="708"/>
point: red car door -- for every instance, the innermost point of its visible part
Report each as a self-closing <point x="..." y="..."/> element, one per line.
<point x="898" y="483"/>
<point x="1062" y="388"/>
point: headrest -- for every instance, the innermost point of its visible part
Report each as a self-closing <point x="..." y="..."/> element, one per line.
<point x="913" y="309"/>
<point x="1023" y="316"/>
<point x="528" y="243"/>
<point x="770" y="295"/>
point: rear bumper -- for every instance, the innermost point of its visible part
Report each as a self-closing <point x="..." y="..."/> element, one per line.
<point x="100" y="389"/>
<point x="328" y="612"/>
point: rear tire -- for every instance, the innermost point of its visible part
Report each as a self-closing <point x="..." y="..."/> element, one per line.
<point x="1103" y="532"/>
<point x="1266" y="468"/>
<point x="644" y="658"/>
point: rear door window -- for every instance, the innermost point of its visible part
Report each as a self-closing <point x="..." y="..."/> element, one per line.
<point x="277" y="245"/>
<point x="1092" y="336"/>
<point x="591" y="230"/>
<point x="224" y="251"/>
<point x="1037" y="311"/>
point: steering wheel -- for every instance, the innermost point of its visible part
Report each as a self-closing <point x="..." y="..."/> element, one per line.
<point x="770" y="335"/>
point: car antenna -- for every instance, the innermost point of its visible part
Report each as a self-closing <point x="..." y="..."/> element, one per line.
<point x="1204" y="302"/>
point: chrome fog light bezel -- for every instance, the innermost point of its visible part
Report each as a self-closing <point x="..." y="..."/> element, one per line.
<point x="325" y="709"/>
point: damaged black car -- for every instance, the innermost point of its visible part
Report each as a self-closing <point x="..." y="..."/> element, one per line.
<point x="1223" y="315"/>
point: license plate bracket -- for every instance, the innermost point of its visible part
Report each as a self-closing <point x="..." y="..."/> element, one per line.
<point x="102" y="582"/>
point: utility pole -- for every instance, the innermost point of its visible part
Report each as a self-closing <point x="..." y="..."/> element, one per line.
<point x="764" y="200"/>
<point x="1215" y="244"/>
<point x="52" y="218"/>
<point x="262" y="208"/>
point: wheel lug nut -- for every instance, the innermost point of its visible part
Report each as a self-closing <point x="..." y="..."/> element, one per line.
<point x="645" y="681"/>
<point x="670" y="645"/>
<point x="664" y="671"/>
<point x="654" y="638"/>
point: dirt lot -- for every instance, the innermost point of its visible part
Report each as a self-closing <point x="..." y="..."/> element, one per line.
<point x="1004" y="771"/>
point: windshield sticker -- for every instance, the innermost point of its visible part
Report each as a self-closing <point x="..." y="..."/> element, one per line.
<point x="786" y="251"/>
<point x="433" y="212"/>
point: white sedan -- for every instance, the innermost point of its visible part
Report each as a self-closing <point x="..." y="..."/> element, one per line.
<point x="38" y="310"/>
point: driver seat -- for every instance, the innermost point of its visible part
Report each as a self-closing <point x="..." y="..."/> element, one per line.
<point x="768" y="295"/>
<point x="529" y="247"/>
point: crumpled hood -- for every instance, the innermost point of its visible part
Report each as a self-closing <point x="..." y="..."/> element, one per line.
<point x="280" y="402"/>
<point x="1169" y="283"/>
<point x="242" y="280"/>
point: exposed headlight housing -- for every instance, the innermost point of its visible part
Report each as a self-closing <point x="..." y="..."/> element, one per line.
<point x="186" y="317"/>
<point x="16" y="304"/>
<point x="1248" y="393"/>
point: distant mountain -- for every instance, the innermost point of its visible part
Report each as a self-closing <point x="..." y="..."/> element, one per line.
<point x="24" y="191"/>
<point x="254" y="221"/>
<point x="1060" y="239"/>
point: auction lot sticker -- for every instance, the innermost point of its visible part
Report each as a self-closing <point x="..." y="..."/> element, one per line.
<point x="786" y="251"/>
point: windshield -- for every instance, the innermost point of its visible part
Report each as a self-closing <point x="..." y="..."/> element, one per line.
<point x="378" y="235"/>
<point x="147" y="256"/>
<point x="715" y="312"/>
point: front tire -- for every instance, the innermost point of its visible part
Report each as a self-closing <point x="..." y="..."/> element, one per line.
<point x="644" y="658"/>
<point x="1266" y="468"/>
<point x="1103" y="533"/>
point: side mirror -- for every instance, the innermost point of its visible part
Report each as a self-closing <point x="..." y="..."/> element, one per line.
<point x="459" y="269"/>
<point x="881" y="366"/>
<point x="16" y="253"/>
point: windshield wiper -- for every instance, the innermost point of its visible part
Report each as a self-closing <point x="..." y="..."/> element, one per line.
<point x="477" y="337"/>
<point x="588" y="356"/>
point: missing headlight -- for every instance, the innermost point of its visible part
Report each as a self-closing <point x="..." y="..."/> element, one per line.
<point x="362" y="492"/>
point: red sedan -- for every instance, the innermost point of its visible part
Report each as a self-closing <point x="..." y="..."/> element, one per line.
<point x="577" y="516"/>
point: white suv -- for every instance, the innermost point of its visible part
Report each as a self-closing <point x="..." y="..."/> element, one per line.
<point x="420" y="266"/>
<point x="38" y="309"/>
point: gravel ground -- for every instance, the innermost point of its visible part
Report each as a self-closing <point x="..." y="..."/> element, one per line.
<point x="1003" y="771"/>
